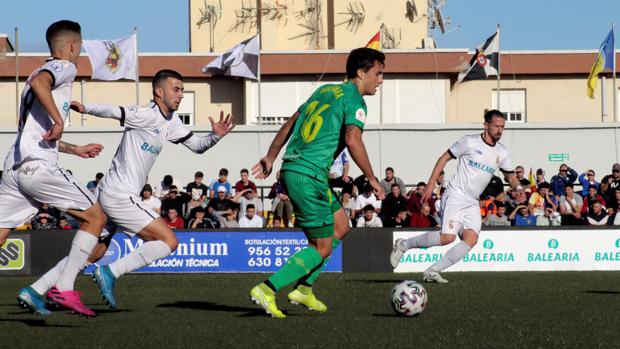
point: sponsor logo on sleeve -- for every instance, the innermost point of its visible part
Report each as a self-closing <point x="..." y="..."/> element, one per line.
<point x="360" y="115"/>
<point x="57" y="67"/>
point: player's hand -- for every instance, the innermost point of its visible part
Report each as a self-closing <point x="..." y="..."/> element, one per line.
<point x="262" y="169"/>
<point x="428" y="192"/>
<point x="54" y="133"/>
<point x="78" y="107"/>
<point x="89" y="150"/>
<point x="224" y="126"/>
<point x="377" y="189"/>
<point x="346" y="179"/>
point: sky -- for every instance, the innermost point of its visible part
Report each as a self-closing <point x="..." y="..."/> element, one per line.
<point x="163" y="25"/>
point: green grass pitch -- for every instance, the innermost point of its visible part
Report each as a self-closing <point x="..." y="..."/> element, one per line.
<point x="524" y="310"/>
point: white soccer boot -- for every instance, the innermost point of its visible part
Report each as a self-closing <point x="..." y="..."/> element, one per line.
<point x="397" y="252"/>
<point x="433" y="276"/>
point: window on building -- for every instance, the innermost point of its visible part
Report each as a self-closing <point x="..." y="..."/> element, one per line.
<point x="512" y="103"/>
<point x="186" y="109"/>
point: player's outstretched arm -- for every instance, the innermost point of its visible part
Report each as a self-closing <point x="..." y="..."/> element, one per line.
<point x="357" y="149"/>
<point x="200" y="144"/>
<point x="439" y="166"/>
<point x="99" y="110"/>
<point x="262" y="169"/>
<point x="41" y="85"/>
<point x="84" y="151"/>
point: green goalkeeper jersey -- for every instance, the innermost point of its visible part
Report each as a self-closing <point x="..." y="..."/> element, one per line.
<point x="318" y="134"/>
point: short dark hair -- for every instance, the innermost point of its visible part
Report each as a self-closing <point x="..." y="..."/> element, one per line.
<point x="368" y="207"/>
<point x="173" y="188"/>
<point x="245" y="170"/>
<point x="499" y="204"/>
<point x="249" y="206"/>
<point x="544" y="185"/>
<point x="395" y="185"/>
<point x="592" y="186"/>
<point x="57" y="28"/>
<point x="363" y="58"/>
<point x="165" y="74"/>
<point x="99" y="175"/>
<point x="223" y="172"/>
<point x="147" y="187"/>
<point x="389" y="169"/>
<point x="569" y="185"/>
<point x="199" y="174"/>
<point x="168" y="180"/>
<point x="421" y="184"/>
<point x="489" y="114"/>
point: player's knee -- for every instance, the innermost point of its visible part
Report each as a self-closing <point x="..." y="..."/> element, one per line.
<point x="471" y="240"/>
<point x="4" y="234"/>
<point x="447" y="239"/>
<point x="325" y="251"/>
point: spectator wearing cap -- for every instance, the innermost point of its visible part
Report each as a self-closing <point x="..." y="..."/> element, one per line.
<point x="173" y="220"/>
<point x="92" y="185"/>
<point x="516" y="198"/>
<point x="521" y="217"/>
<point x="150" y="201"/>
<point x="245" y="182"/>
<point x="587" y="179"/>
<point x="393" y="203"/>
<point x="250" y="219"/>
<point x="414" y="205"/>
<point x="390" y="179"/>
<point x="598" y="215"/>
<point x="570" y="206"/>
<point x="590" y="199"/>
<point x="541" y="199"/>
<point x="369" y="218"/>
<point x="220" y="205"/>
<point x="558" y="182"/>
<point x="610" y="182"/>
<point x="365" y="199"/>
<point x="220" y="182"/>
<point x="197" y="188"/>
<point x="498" y="219"/>
<point x="174" y="199"/>
<point x="339" y="173"/>
<point x="281" y="204"/>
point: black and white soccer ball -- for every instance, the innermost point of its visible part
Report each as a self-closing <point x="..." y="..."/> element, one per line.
<point x="409" y="298"/>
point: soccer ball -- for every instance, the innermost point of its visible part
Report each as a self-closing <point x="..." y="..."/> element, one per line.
<point x="409" y="298"/>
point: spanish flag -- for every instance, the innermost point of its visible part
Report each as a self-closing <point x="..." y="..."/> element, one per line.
<point x="375" y="42"/>
<point x="532" y="179"/>
<point x="604" y="60"/>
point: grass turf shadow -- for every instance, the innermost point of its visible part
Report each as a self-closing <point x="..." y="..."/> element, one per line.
<point x="208" y="306"/>
<point x="35" y="323"/>
<point x="602" y="292"/>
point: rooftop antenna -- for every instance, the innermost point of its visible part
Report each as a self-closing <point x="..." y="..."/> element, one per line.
<point x="311" y="17"/>
<point x="209" y="15"/>
<point x="391" y="37"/>
<point x="356" y="15"/>
<point x="436" y="18"/>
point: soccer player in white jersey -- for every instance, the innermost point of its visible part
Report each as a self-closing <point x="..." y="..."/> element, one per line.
<point x="147" y="128"/>
<point x="479" y="157"/>
<point x="32" y="175"/>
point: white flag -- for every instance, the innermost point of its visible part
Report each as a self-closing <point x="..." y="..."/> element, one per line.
<point x="112" y="59"/>
<point x="241" y="60"/>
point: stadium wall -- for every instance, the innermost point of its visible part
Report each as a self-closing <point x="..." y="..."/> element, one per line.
<point x="411" y="149"/>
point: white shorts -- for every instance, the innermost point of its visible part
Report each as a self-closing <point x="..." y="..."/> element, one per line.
<point x="126" y="211"/>
<point x="457" y="216"/>
<point x="22" y="191"/>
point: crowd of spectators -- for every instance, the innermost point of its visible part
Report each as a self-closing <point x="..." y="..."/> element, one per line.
<point x="569" y="198"/>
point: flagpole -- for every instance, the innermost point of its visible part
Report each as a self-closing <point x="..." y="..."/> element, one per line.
<point x="16" y="77"/>
<point x="498" y="68"/>
<point x="381" y="102"/>
<point x="615" y="94"/>
<point x="260" y="119"/>
<point x="135" y="32"/>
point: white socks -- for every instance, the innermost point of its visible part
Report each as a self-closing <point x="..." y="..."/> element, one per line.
<point x="430" y="239"/>
<point x="48" y="280"/>
<point x="140" y="257"/>
<point x="81" y="247"/>
<point x="455" y="254"/>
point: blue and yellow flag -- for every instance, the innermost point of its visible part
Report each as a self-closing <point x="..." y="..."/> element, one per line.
<point x="604" y="60"/>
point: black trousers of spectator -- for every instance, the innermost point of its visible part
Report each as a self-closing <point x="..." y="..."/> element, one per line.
<point x="340" y="183"/>
<point x="569" y="219"/>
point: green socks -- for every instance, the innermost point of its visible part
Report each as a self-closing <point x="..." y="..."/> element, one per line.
<point x="298" y="265"/>
<point x="309" y="279"/>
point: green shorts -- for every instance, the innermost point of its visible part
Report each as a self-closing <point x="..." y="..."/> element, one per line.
<point x="314" y="203"/>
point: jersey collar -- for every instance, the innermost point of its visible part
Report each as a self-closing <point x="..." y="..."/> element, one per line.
<point x="485" y="142"/>
<point x="155" y="105"/>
